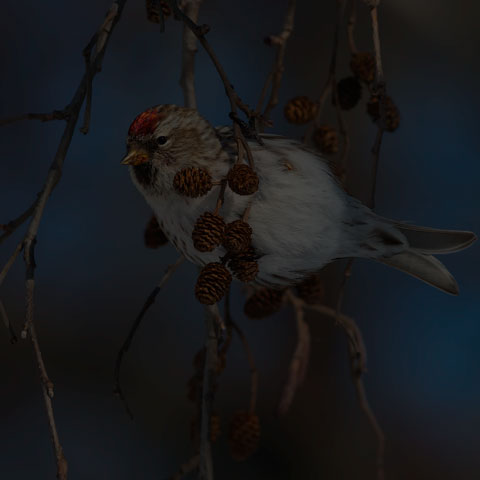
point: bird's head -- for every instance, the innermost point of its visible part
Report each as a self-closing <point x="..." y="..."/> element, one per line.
<point x="164" y="139"/>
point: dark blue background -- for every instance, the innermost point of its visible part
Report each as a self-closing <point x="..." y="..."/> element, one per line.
<point x="94" y="272"/>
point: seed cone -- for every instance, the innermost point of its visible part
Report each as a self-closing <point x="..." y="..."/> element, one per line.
<point x="326" y="139"/>
<point x="311" y="290"/>
<point x="238" y="235"/>
<point x="362" y="65"/>
<point x="244" y="434"/>
<point x="242" y="179"/>
<point x="208" y="232"/>
<point x="263" y="303"/>
<point x="392" y="115"/>
<point x="244" y="265"/>
<point x="192" y="182"/>
<point x="300" y="110"/>
<point x="349" y="91"/>
<point x="153" y="235"/>
<point x="212" y="283"/>
<point x="153" y="10"/>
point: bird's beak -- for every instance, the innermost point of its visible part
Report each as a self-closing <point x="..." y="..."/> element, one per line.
<point x="136" y="157"/>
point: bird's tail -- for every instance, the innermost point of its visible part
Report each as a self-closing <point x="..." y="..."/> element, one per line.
<point x="418" y="260"/>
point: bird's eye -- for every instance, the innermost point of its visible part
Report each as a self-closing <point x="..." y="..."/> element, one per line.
<point x="162" y="140"/>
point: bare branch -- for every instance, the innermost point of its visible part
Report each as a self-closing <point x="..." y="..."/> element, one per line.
<point x="212" y="320"/>
<point x="275" y="76"/>
<point x="12" y="225"/>
<point x="352" y="20"/>
<point x="331" y="73"/>
<point x="47" y="385"/>
<point x="10" y="262"/>
<point x="8" y="325"/>
<point x="299" y="362"/>
<point x="43" y="117"/>
<point x="133" y="330"/>
<point x="187" y="467"/>
<point x="251" y="364"/>
<point x="189" y="50"/>
<point x="234" y="99"/>
<point x="379" y="89"/>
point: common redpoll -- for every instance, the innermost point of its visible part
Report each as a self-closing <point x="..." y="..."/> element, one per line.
<point x="300" y="216"/>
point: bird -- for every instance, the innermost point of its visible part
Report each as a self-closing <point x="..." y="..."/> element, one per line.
<point x="301" y="217"/>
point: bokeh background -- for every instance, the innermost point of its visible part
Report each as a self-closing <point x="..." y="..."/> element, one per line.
<point x="94" y="272"/>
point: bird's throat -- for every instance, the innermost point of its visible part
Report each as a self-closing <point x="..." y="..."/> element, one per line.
<point x="145" y="174"/>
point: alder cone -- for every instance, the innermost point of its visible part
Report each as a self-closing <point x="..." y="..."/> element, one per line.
<point x="244" y="265"/>
<point x="362" y="65"/>
<point x="208" y="232"/>
<point x="153" y="235"/>
<point x="392" y="115"/>
<point x="263" y="303"/>
<point x="349" y="92"/>
<point x="242" y="179"/>
<point x="212" y="283"/>
<point x="153" y="10"/>
<point x="192" y="182"/>
<point x="300" y="110"/>
<point x="326" y="139"/>
<point x="238" y="235"/>
<point x="311" y="290"/>
<point x="244" y="434"/>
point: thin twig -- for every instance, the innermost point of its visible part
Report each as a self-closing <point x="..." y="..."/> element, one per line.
<point x="299" y="362"/>
<point x="10" y="261"/>
<point x="275" y="76"/>
<point x="188" y="467"/>
<point x="43" y="117"/>
<point x="251" y="364"/>
<point x="8" y="324"/>
<point x="331" y="72"/>
<point x="379" y="89"/>
<point x="133" y="330"/>
<point x="46" y="383"/>
<point x="189" y="50"/>
<point x="212" y="320"/>
<point x="352" y="20"/>
<point x="200" y="31"/>
<point x="342" y="126"/>
<point x="12" y="225"/>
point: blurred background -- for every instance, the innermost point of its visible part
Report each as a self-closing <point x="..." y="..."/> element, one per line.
<point x="94" y="272"/>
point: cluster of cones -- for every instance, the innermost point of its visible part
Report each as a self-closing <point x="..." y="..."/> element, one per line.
<point x="211" y="231"/>
<point x="301" y="110"/>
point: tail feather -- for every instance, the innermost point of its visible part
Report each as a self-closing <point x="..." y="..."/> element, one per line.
<point x="435" y="241"/>
<point x="424" y="267"/>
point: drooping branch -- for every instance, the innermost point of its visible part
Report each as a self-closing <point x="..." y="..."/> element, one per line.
<point x="134" y="328"/>
<point x="35" y="211"/>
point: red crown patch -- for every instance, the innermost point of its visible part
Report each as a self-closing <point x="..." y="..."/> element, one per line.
<point x="145" y="123"/>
